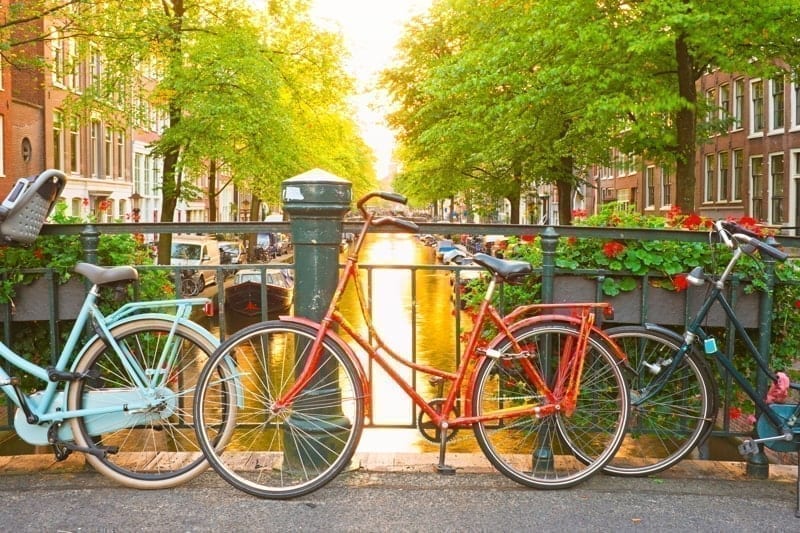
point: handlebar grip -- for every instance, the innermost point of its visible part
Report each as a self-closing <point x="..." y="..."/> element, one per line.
<point x="393" y="197"/>
<point x="733" y="227"/>
<point x="399" y="222"/>
<point x="390" y="196"/>
<point x="764" y="248"/>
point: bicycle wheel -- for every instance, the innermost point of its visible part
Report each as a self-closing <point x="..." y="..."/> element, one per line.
<point x="665" y="427"/>
<point x="155" y="448"/>
<point x="189" y="287"/>
<point x="539" y="451"/>
<point x="293" y="450"/>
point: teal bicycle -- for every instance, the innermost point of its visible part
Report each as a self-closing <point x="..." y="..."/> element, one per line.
<point x="125" y="396"/>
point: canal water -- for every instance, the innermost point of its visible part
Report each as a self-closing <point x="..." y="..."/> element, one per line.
<point x="398" y="299"/>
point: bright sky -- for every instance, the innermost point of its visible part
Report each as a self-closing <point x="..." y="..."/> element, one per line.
<point x="371" y="29"/>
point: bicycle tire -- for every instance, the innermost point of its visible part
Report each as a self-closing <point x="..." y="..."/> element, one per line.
<point x="297" y="449"/>
<point x="666" y="427"/>
<point x="189" y="287"/>
<point x="538" y="451"/>
<point x="150" y="451"/>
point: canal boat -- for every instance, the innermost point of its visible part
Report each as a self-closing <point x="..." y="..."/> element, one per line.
<point x="243" y="296"/>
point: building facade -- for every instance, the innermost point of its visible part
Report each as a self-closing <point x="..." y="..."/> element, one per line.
<point x="751" y="169"/>
<point x="113" y="174"/>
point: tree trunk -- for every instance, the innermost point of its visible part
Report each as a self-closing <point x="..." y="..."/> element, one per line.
<point x="212" y="191"/>
<point x="685" y="125"/>
<point x="171" y="184"/>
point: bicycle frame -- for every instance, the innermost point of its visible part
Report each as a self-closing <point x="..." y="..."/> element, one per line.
<point x="695" y="332"/>
<point x="39" y="410"/>
<point x="563" y="398"/>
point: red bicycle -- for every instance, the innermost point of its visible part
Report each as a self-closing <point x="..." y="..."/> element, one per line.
<point x="545" y="395"/>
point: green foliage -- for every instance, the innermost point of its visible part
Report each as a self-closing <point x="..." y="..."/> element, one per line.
<point x="61" y="253"/>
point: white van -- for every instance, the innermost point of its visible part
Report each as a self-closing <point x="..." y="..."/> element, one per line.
<point x="199" y="252"/>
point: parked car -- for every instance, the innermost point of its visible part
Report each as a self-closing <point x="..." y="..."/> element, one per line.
<point x="232" y="253"/>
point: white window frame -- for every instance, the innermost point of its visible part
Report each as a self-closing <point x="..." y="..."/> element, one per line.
<point x="650" y="188"/>
<point x="737" y="174"/>
<point x="738" y="104"/>
<point x="777" y="105"/>
<point x="666" y="188"/>
<point x="708" y="178"/>
<point x="776" y="199"/>
<point x="756" y="187"/>
<point x="757" y="129"/>
<point x="723" y="177"/>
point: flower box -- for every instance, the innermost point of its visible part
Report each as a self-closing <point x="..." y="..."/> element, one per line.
<point x="33" y="301"/>
<point x="656" y="305"/>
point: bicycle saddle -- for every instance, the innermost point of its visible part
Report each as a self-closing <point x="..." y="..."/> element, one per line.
<point x="102" y="275"/>
<point x="505" y="268"/>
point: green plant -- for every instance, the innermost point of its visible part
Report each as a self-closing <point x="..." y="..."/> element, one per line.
<point x="60" y="253"/>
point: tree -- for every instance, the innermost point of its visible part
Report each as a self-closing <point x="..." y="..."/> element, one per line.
<point x="545" y="89"/>
<point x="256" y="99"/>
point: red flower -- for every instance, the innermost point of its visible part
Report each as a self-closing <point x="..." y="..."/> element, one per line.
<point x="613" y="249"/>
<point x="571" y="241"/>
<point x="734" y="413"/>
<point x="692" y="221"/>
<point x="527" y="238"/>
<point x="797" y="304"/>
<point x="680" y="282"/>
<point x="85" y="201"/>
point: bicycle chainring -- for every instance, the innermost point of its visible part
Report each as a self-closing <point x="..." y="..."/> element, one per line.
<point x="431" y="431"/>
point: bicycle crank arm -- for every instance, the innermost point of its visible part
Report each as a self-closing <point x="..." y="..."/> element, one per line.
<point x="751" y="445"/>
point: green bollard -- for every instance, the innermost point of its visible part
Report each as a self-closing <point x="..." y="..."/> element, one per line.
<point x="316" y="203"/>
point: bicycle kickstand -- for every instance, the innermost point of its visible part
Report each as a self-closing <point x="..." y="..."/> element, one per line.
<point x="443" y="468"/>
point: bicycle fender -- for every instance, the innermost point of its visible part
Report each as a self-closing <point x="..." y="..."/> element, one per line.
<point x="340" y="342"/>
<point x="568" y="319"/>
<point x="133" y="318"/>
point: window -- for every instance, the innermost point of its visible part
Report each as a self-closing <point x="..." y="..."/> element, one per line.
<point x="107" y="156"/>
<point x="738" y="103"/>
<point x="119" y="157"/>
<point x="724" y="102"/>
<point x="74" y="146"/>
<point x="776" y="104"/>
<point x="76" y="207"/>
<point x="59" y="60"/>
<point x="776" y="188"/>
<point x="724" y="177"/>
<point x="796" y="102"/>
<point x="756" y="187"/>
<point x="708" y="186"/>
<point x="711" y="103"/>
<point x="666" y="187"/>
<point x="58" y="141"/>
<point x="95" y="149"/>
<point x="649" y="187"/>
<point x="757" y="110"/>
<point x="738" y="164"/>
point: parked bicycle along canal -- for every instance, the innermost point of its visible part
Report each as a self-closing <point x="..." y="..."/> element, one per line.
<point x="411" y="307"/>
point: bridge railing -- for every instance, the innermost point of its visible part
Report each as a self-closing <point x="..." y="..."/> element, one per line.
<point x="89" y="236"/>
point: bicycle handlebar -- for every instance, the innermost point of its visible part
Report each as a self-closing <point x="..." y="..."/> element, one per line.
<point x="387" y="221"/>
<point x="732" y="234"/>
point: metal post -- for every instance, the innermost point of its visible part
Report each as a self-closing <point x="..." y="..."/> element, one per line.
<point x="549" y="243"/>
<point x="758" y="464"/>
<point x="316" y="203"/>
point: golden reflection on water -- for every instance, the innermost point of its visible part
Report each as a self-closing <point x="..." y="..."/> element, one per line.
<point x="393" y="309"/>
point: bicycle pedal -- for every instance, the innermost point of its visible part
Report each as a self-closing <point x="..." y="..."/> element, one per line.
<point x="748" y="447"/>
